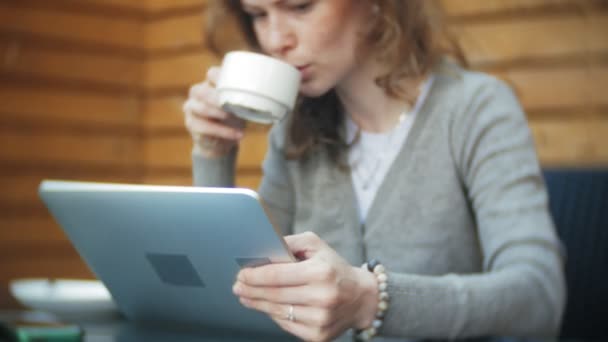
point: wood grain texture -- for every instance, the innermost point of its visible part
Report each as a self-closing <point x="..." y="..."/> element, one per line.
<point x="179" y="71"/>
<point x="19" y="230"/>
<point x="164" y="112"/>
<point x="112" y="31"/>
<point x="541" y="89"/>
<point x="22" y="189"/>
<point x="61" y="147"/>
<point x="519" y="40"/>
<point x="174" y="33"/>
<point x="70" y="81"/>
<point x="42" y="105"/>
<point x="483" y="8"/>
<point x="572" y="143"/>
<point x="164" y="5"/>
<point x="29" y="61"/>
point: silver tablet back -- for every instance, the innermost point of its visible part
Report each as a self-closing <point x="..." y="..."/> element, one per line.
<point x="169" y="254"/>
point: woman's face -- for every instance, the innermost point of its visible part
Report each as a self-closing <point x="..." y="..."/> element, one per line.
<point x="319" y="37"/>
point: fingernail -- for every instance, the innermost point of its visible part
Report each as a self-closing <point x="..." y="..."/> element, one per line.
<point x="236" y="289"/>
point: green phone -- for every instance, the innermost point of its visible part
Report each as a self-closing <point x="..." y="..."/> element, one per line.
<point x="18" y="329"/>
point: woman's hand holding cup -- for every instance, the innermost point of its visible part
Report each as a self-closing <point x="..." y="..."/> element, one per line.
<point x="251" y="87"/>
<point x="214" y="131"/>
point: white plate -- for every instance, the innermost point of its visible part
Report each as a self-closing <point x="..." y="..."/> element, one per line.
<point x="69" y="298"/>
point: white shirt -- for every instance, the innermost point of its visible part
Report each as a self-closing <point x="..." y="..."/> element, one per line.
<point x="372" y="155"/>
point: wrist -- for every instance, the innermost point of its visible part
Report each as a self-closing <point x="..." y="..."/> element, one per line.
<point x="369" y="299"/>
<point x="218" y="150"/>
<point x="377" y="270"/>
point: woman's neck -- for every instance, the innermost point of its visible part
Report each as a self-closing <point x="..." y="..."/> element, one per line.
<point x="368" y="105"/>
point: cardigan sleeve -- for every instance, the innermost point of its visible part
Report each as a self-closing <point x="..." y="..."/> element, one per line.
<point x="213" y="172"/>
<point x="276" y="189"/>
<point x="521" y="291"/>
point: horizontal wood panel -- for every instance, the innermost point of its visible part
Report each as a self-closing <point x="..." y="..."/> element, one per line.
<point x="496" y="42"/>
<point x="22" y="188"/>
<point x="129" y="4"/>
<point x="136" y="9"/>
<point x="164" y="112"/>
<point x="598" y="27"/>
<point x="61" y="147"/>
<point x="133" y="9"/>
<point x="53" y="105"/>
<point x="164" y="5"/>
<point x="17" y="230"/>
<point x="488" y="7"/>
<point x="76" y="27"/>
<point x="599" y="81"/>
<point x="243" y="180"/>
<point x="177" y="71"/>
<point x="30" y="61"/>
<point x="571" y="142"/>
<point x="174" y="32"/>
<point x="559" y="88"/>
<point x="41" y="249"/>
<point x="175" y="150"/>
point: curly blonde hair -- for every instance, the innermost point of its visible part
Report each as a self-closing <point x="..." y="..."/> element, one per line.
<point x="408" y="36"/>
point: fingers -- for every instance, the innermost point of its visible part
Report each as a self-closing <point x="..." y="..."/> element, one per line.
<point x="284" y="274"/>
<point x="213" y="75"/>
<point x="304" y="245"/>
<point x="214" y="129"/>
<point x="203" y="110"/>
<point x="289" y="274"/>
<point x="305" y="315"/>
<point x="304" y="273"/>
<point x="302" y="295"/>
<point x="203" y="115"/>
<point x="206" y="92"/>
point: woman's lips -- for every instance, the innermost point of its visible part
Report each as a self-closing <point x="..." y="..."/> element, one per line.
<point x="305" y="71"/>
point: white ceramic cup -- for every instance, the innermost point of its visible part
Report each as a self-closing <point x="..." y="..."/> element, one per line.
<point x="256" y="87"/>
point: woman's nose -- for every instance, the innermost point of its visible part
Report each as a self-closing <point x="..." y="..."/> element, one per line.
<point x="281" y="36"/>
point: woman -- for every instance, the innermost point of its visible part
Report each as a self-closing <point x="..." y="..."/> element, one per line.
<point x="396" y="154"/>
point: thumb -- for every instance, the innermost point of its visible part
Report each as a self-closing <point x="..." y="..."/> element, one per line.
<point x="304" y="245"/>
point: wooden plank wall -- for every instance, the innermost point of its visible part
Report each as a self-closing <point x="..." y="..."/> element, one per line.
<point x="92" y="89"/>
<point x="70" y="107"/>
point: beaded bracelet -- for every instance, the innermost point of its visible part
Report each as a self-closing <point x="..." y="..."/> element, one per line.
<point x="379" y="271"/>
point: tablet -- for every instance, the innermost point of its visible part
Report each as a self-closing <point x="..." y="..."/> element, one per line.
<point x="169" y="254"/>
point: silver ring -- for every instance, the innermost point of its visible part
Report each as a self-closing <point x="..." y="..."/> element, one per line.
<point x="290" y="316"/>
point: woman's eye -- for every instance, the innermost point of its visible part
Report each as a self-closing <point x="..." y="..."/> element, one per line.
<point x="302" y="6"/>
<point x="257" y="15"/>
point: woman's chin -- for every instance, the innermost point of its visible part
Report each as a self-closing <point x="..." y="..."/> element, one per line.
<point x="310" y="90"/>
